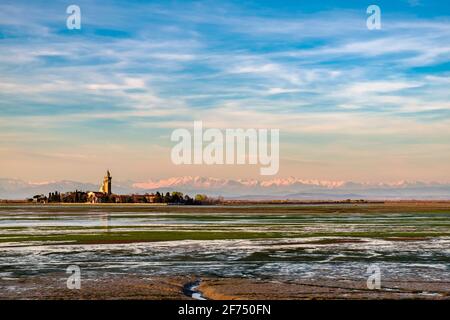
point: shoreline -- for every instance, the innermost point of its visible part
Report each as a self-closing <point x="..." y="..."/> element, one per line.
<point x="232" y="203"/>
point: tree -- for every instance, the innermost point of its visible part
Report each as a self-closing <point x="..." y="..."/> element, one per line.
<point x="158" y="197"/>
<point x="201" y="198"/>
<point x="177" y="197"/>
<point x="188" y="200"/>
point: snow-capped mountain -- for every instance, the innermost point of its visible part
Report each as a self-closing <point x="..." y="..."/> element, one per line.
<point x="280" y="188"/>
<point x="295" y="188"/>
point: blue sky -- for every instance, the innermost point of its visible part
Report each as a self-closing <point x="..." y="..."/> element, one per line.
<point x="351" y="103"/>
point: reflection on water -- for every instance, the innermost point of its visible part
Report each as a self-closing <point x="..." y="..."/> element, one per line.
<point x="105" y="220"/>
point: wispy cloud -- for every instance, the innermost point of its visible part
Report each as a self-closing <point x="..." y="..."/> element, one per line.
<point x="142" y="69"/>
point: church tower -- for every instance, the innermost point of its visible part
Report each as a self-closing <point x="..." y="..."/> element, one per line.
<point x="106" y="186"/>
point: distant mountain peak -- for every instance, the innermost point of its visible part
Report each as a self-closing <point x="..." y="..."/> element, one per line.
<point x="277" y="188"/>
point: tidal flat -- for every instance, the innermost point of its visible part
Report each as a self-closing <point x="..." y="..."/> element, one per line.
<point x="295" y="251"/>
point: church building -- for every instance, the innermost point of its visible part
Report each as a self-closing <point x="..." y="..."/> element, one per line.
<point x="103" y="195"/>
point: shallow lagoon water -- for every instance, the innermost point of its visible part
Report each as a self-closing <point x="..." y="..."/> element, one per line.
<point x="307" y="244"/>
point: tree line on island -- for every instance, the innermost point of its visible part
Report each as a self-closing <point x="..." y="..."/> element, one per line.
<point x="77" y="196"/>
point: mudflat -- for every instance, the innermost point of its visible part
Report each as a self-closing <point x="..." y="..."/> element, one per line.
<point x="174" y="288"/>
<point x="257" y="251"/>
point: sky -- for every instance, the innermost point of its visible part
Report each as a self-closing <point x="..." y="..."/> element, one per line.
<point x="351" y="103"/>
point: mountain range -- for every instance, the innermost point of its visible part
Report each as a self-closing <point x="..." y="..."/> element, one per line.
<point x="281" y="188"/>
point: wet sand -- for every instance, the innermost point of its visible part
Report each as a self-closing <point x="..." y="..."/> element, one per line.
<point x="171" y="288"/>
<point x="105" y="288"/>
<point x="318" y="289"/>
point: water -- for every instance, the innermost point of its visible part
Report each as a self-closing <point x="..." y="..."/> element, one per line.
<point x="191" y="290"/>
<point x="305" y="245"/>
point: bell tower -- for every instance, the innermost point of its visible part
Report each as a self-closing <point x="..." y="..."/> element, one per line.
<point x="106" y="186"/>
